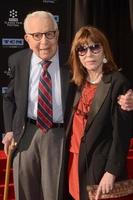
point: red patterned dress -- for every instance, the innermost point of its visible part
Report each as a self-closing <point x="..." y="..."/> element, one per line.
<point x="79" y="122"/>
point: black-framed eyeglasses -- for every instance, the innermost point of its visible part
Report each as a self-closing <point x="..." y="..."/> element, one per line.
<point x="38" y="36"/>
<point x="94" y="48"/>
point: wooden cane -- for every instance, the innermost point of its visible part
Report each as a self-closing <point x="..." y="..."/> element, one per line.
<point x="8" y="168"/>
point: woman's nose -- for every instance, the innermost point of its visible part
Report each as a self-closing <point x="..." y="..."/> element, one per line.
<point x="88" y="52"/>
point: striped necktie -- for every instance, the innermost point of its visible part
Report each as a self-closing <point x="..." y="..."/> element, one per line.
<point x="44" y="111"/>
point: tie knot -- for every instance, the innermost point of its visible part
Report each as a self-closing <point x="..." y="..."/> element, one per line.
<point x="45" y="64"/>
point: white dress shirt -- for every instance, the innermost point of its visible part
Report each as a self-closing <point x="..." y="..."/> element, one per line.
<point x="35" y="72"/>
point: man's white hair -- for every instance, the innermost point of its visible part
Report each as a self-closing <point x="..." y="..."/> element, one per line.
<point x="41" y="14"/>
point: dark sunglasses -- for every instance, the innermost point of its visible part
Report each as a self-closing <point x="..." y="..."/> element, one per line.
<point x="38" y="36"/>
<point x="94" y="48"/>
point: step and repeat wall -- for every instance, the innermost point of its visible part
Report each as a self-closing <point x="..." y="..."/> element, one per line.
<point x="12" y="33"/>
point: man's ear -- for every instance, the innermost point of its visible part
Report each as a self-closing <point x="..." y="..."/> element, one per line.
<point x="26" y="37"/>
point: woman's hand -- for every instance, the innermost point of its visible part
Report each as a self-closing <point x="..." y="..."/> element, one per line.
<point x="106" y="184"/>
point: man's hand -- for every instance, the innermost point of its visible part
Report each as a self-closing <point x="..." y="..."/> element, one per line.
<point x="126" y="101"/>
<point x="106" y="185"/>
<point x="7" y="140"/>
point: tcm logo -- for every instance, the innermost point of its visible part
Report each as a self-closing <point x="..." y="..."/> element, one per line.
<point x="12" y="42"/>
<point x="13" y="20"/>
<point x="13" y="15"/>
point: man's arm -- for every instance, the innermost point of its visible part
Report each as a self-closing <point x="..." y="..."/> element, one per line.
<point x="8" y="109"/>
<point x="126" y="101"/>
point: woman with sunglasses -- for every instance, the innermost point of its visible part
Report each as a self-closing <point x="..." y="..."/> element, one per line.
<point x="98" y="129"/>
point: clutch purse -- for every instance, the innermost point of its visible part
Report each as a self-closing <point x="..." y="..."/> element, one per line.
<point x="120" y="189"/>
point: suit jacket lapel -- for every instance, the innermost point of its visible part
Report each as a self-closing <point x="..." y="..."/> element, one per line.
<point x="26" y="71"/>
<point x="101" y="93"/>
<point x="77" y="97"/>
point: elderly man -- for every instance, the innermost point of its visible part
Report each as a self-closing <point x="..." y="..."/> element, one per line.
<point x="34" y="107"/>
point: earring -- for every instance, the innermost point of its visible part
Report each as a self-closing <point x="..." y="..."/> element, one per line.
<point x="105" y="60"/>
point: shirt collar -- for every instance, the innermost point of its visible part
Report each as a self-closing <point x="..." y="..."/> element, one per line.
<point x="37" y="60"/>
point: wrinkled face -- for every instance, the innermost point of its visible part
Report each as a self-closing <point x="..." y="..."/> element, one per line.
<point x="43" y="45"/>
<point x="91" y="55"/>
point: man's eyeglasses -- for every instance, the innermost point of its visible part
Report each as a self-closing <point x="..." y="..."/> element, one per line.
<point x="38" y="36"/>
<point x="94" y="48"/>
